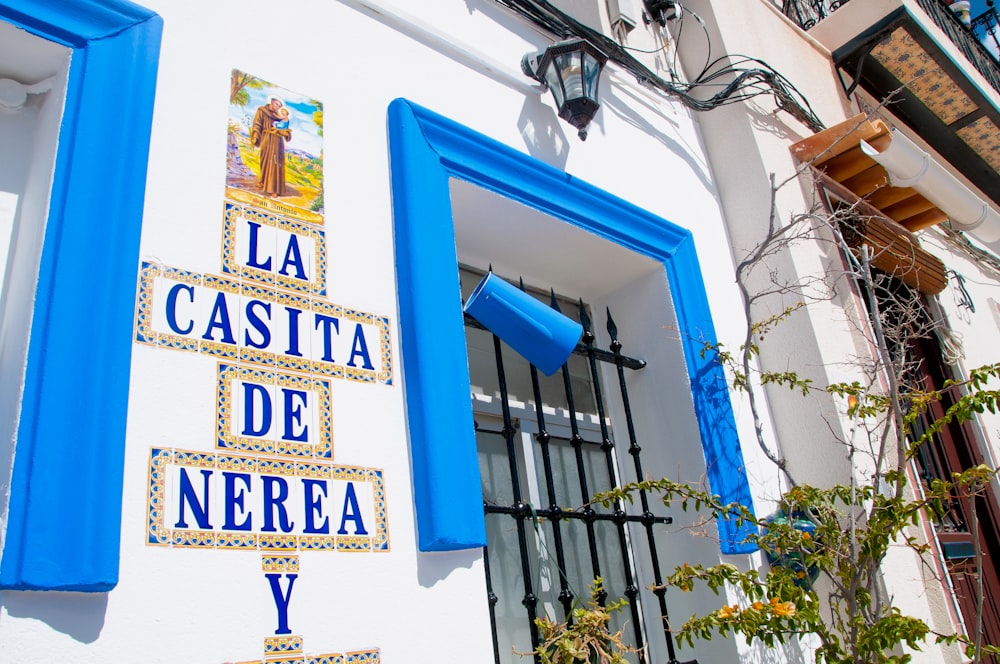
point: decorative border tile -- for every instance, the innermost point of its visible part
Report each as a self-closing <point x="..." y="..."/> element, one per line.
<point x="282" y="564"/>
<point x="357" y="657"/>
<point x="227" y="440"/>
<point x="282" y="644"/>
<point x="145" y="334"/>
<point x="230" y="264"/>
<point x="158" y="533"/>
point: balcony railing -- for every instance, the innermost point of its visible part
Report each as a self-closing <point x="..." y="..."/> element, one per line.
<point x="808" y="13"/>
<point x="965" y="40"/>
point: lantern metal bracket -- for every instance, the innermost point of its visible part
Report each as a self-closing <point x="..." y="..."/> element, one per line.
<point x="529" y="65"/>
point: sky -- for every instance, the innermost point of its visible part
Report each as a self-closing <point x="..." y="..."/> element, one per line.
<point x="977" y="7"/>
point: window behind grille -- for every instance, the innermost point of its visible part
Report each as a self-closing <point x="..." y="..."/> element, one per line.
<point x="540" y="467"/>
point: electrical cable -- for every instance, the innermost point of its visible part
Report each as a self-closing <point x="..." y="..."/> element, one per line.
<point x="746" y="83"/>
<point x="958" y="239"/>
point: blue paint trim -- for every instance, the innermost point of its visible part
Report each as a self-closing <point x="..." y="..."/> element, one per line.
<point x="64" y="521"/>
<point x="426" y="150"/>
<point x="447" y="491"/>
<point x="727" y="475"/>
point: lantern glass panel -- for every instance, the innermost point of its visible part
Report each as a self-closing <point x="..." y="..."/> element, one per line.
<point x="591" y="75"/>
<point x="571" y="71"/>
<point x="554" y="83"/>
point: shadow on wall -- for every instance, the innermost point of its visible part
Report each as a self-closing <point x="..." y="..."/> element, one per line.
<point x="77" y="615"/>
<point x="624" y="110"/>
<point x="543" y="134"/>
<point x="437" y="566"/>
<point x="788" y="653"/>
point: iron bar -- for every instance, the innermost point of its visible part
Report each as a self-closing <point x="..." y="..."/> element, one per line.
<point x="529" y="600"/>
<point x="542" y="437"/>
<point x="962" y="37"/>
<point x="576" y="440"/>
<point x="634" y="451"/>
<point x="601" y="355"/>
<point x="570" y="515"/>
<point x="492" y="599"/>
<point x="987" y="22"/>
<point x="631" y="591"/>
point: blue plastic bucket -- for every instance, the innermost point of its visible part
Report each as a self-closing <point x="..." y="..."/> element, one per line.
<point x="539" y="333"/>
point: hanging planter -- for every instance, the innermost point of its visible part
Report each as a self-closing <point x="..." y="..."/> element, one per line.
<point x="794" y="560"/>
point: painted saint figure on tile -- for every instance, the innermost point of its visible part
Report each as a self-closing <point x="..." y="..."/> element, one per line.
<point x="274" y="148"/>
<point x="269" y="133"/>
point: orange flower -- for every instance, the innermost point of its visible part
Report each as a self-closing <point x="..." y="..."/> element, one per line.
<point x="728" y="611"/>
<point x="784" y="609"/>
<point x="758" y="606"/>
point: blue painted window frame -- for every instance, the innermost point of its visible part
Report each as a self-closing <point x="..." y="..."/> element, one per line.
<point x="64" y="517"/>
<point x="426" y="150"/>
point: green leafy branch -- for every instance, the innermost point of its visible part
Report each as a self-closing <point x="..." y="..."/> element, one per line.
<point x="586" y="637"/>
<point x="857" y="624"/>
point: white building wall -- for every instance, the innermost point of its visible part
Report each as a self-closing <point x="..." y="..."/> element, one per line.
<point x="198" y="605"/>
<point x="748" y="144"/>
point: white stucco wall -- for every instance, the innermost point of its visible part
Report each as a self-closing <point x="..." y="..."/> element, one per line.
<point x="749" y="144"/>
<point x="746" y="145"/>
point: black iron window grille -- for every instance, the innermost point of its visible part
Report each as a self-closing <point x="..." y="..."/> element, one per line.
<point x="545" y="449"/>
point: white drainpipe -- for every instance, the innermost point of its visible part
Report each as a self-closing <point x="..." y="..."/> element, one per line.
<point x="909" y="166"/>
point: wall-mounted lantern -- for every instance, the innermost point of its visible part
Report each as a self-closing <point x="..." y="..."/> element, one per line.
<point x="571" y="69"/>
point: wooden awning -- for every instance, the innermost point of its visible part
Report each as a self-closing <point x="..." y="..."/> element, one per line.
<point x="897" y="254"/>
<point x="887" y="216"/>
<point x="837" y="153"/>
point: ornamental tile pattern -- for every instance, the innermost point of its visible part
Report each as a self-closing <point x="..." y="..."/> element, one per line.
<point x="905" y="59"/>
<point x="983" y="136"/>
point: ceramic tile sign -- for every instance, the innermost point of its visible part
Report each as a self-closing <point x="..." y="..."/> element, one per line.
<point x="263" y="480"/>
<point x="274" y="148"/>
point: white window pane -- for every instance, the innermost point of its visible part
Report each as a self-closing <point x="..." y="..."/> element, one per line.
<point x="8" y="210"/>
